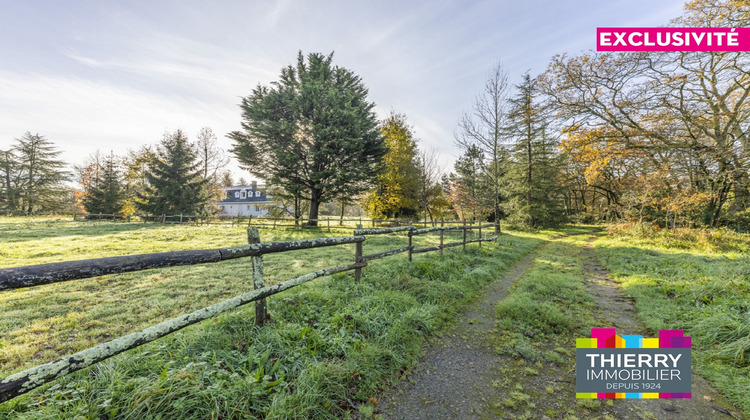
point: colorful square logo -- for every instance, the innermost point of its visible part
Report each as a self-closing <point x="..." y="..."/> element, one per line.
<point x="631" y="366"/>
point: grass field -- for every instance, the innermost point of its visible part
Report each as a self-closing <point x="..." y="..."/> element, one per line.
<point x="330" y="347"/>
<point x="697" y="281"/>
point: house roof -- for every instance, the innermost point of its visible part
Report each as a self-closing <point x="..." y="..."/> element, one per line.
<point x="234" y="195"/>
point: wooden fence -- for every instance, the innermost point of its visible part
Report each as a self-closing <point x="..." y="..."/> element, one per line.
<point x="331" y="222"/>
<point x="36" y="275"/>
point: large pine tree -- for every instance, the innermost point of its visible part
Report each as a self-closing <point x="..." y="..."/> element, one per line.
<point x="175" y="185"/>
<point x="312" y="133"/>
<point x="533" y="180"/>
<point x="41" y="173"/>
<point x="105" y="195"/>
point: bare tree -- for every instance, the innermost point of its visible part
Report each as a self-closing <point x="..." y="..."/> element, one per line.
<point x="482" y="127"/>
<point x="430" y="192"/>
<point x="212" y="157"/>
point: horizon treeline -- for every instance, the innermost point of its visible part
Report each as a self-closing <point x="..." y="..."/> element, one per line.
<point x="653" y="137"/>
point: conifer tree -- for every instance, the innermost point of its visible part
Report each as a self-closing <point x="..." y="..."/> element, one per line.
<point x="312" y="133"/>
<point x="176" y="185"/>
<point x="105" y="195"/>
<point x="42" y="174"/>
<point x="532" y="183"/>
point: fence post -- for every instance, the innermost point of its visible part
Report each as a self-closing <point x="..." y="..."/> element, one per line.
<point x="464" y="235"/>
<point x="180" y="217"/>
<point x="410" y="248"/>
<point x="441" y="237"/>
<point x="358" y="259"/>
<point x="480" y="233"/>
<point x="253" y="237"/>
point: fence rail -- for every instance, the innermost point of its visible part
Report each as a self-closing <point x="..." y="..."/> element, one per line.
<point x="264" y="221"/>
<point x="36" y="275"/>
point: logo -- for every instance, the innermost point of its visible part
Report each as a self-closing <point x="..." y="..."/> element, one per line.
<point x="673" y="39"/>
<point x="631" y="366"/>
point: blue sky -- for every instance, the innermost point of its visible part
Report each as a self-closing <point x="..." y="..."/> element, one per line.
<point x="113" y="75"/>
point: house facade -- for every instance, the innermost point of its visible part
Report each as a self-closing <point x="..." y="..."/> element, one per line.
<point x="245" y="200"/>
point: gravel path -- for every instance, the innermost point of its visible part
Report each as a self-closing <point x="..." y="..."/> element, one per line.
<point x="450" y="381"/>
<point x="458" y="376"/>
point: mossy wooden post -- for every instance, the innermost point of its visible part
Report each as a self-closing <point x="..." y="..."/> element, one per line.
<point x="358" y="259"/>
<point x="442" y="224"/>
<point x="410" y="247"/>
<point x="464" y="235"/>
<point x="480" y="233"/>
<point x="253" y="237"/>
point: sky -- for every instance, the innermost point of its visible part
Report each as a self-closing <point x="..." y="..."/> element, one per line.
<point x="114" y="75"/>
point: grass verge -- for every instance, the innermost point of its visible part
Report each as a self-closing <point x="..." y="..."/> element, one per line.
<point x="330" y="347"/>
<point x="697" y="281"/>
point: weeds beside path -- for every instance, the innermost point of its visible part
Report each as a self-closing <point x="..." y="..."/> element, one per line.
<point x="523" y="365"/>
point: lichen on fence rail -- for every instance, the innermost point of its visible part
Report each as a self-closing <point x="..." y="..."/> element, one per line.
<point x="35" y="275"/>
<point x="29" y="379"/>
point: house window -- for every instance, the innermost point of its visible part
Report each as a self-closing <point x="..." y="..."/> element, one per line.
<point x="236" y="194"/>
<point x="247" y="207"/>
<point x="257" y="193"/>
<point x="257" y="208"/>
<point x="243" y="194"/>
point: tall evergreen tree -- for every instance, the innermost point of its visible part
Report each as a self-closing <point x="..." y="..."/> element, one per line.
<point x="532" y="186"/>
<point x="106" y="193"/>
<point x="312" y="132"/>
<point x="175" y="181"/>
<point x="10" y="180"/>
<point x="471" y="190"/>
<point x="42" y="174"/>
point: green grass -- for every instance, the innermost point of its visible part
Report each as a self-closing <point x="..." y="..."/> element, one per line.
<point x="548" y="307"/>
<point x="536" y="327"/>
<point x="332" y="344"/>
<point x="697" y="281"/>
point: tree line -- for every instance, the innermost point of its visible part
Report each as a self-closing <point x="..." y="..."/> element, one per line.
<point x="652" y="137"/>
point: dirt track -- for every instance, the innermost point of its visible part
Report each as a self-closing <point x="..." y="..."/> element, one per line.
<point x="461" y="375"/>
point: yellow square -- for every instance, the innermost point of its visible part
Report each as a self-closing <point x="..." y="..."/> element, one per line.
<point x="650" y="343"/>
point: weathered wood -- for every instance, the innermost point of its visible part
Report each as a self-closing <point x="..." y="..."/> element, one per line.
<point x="452" y="244"/>
<point x="358" y="259"/>
<point x="35" y="275"/>
<point x="378" y="231"/>
<point x="29" y="379"/>
<point x="421" y="250"/>
<point x="464" y="235"/>
<point x="379" y="255"/>
<point x="442" y="231"/>
<point x="411" y="247"/>
<point x="261" y="311"/>
<point x="272" y="247"/>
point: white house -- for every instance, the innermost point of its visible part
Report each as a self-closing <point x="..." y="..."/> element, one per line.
<point x="244" y="200"/>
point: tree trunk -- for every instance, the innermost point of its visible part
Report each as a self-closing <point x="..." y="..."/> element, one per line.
<point x="314" y="205"/>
